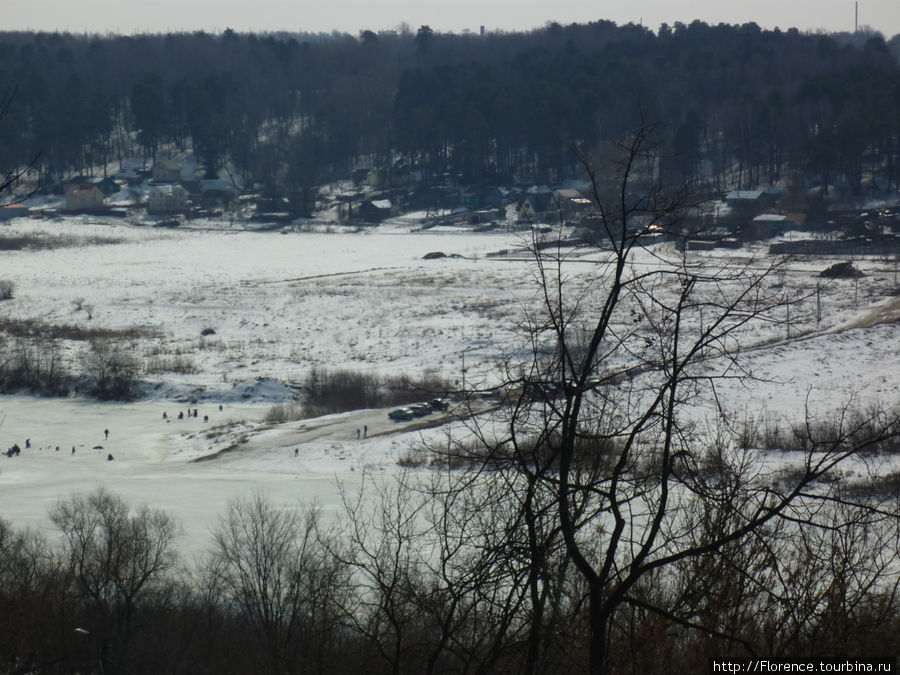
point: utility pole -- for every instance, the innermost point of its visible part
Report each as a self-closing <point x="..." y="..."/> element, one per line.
<point x="465" y="394"/>
<point x="818" y="304"/>
<point x="788" y="307"/>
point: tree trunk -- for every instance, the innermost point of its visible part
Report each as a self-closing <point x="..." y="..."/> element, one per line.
<point x="599" y="616"/>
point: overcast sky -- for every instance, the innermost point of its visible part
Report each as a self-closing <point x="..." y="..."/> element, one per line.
<point x="351" y="16"/>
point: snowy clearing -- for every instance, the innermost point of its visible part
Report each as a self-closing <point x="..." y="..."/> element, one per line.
<point x="273" y="305"/>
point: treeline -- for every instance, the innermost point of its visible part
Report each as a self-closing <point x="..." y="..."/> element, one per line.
<point x="413" y="579"/>
<point x="741" y="106"/>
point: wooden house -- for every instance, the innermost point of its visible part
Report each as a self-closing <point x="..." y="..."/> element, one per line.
<point x="165" y="199"/>
<point x="84" y="197"/>
<point x="167" y="171"/>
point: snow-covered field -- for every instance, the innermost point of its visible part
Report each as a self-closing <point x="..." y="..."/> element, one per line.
<point x="273" y="305"/>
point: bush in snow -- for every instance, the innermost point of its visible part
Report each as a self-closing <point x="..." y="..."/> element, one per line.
<point x="7" y="288"/>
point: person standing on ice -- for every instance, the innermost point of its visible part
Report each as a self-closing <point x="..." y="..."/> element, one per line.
<point x="106" y="434"/>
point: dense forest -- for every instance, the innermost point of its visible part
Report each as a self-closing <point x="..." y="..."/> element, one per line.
<point x="741" y="107"/>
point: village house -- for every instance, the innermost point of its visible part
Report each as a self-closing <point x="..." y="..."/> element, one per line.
<point x="752" y="201"/>
<point x="84" y="197"/>
<point x="474" y="198"/>
<point x="745" y="198"/>
<point x="572" y="204"/>
<point x="766" y="226"/>
<point x="165" y="199"/>
<point x="376" y="210"/>
<point x="109" y="186"/>
<point x="538" y="207"/>
<point x="10" y="211"/>
<point x="167" y="171"/>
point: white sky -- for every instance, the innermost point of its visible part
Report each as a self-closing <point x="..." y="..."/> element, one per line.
<point x="131" y="16"/>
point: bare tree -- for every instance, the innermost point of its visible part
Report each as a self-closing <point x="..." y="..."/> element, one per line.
<point x="12" y="176"/>
<point x="30" y="592"/>
<point x="113" y="369"/>
<point x="599" y="421"/>
<point x="114" y="556"/>
<point x="269" y="562"/>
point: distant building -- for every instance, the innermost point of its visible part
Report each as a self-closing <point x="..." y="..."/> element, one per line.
<point x="167" y="199"/>
<point x="538" y="207"/>
<point x="215" y="192"/>
<point x="167" y="171"/>
<point x="572" y="204"/>
<point x="376" y="210"/>
<point x="474" y="198"/>
<point x="11" y="211"/>
<point x="746" y="201"/>
<point x="84" y="197"/>
<point x="109" y="186"/>
<point x="739" y="198"/>
<point x="209" y="193"/>
<point x="766" y="226"/>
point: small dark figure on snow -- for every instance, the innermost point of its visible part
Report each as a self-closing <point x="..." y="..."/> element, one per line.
<point x="296" y="451"/>
<point x="109" y="457"/>
<point x="357" y="433"/>
<point x="181" y="415"/>
<point x="206" y="418"/>
<point x="73" y="449"/>
<point x="16" y="449"/>
<point x="57" y="448"/>
<point x="220" y="407"/>
<point x="27" y="442"/>
<point x="195" y="412"/>
<point x="365" y="431"/>
<point x="165" y="417"/>
<point x="106" y="434"/>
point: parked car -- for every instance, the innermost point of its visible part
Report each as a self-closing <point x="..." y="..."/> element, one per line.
<point x="438" y="404"/>
<point x="401" y="414"/>
<point x="420" y="409"/>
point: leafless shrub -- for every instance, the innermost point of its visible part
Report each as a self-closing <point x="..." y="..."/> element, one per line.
<point x="405" y="389"/>
<point x="44" y="241"/>
<point x="172" y="364"/>
<point x="112" y="369"/>
<point x="414" y="459"/>
<point x="34" y="328"/>
<point x="332" y="391"/>
<point x="872" y="430"/>
<point x="763" y="432"/>
<point x="34" y="365"/>
<point x="7" y="288"/>
<point x="885" y="485"/>
<point x="278" y="414"/>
